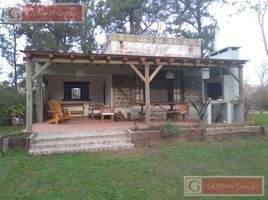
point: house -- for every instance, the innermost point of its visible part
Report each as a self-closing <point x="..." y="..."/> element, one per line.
<point x="132" y="71"/>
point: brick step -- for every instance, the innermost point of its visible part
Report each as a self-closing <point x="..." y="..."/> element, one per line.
<point x="79" y="143"/>
<point x="233" y="130"/>
<point x="88" y="148"/>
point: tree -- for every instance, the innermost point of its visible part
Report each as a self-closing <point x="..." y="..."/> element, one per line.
<point x="260" y="9"/>
<point x="261" y="74"/>
<point x="63" y="36"/>
<point x="130" y="16"/>
<point x="191" y="19"/>
<point x="9" y="48"/>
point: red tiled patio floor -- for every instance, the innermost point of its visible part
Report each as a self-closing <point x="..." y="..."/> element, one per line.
<point x="82" y="124"/>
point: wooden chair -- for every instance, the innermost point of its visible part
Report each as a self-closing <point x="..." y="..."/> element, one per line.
<point x="107" y="110"/>
<point x="183" y="111"/>
<point x="95" y="110"/>
<point x="57" y="113"/>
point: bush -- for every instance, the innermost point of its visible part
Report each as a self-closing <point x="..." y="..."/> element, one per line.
<point x="9" y="98"/>
<point x="168" y="130"/>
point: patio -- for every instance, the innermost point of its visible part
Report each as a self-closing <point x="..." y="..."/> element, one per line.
<point x="78" y="124"/>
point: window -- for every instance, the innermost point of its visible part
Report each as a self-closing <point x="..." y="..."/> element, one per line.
<point x="76" y="91"/>
<point x="139" y="90"/>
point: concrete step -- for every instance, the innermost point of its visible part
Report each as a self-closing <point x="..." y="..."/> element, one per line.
<point x="83" y="141"/>
<point x="78" y="143"/>
<point x="86" y="148"/>
<point x="73" y="137"/>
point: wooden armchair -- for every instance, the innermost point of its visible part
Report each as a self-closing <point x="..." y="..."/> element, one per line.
<point x="107" y="110"/>
<point x="183" y="111"/>
<point x="95" y="110"/>
<point x="57" y="113"/>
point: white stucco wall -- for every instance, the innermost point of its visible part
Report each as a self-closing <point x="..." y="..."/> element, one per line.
<point x="55" y="87"/>
<point x="127" y="44"/>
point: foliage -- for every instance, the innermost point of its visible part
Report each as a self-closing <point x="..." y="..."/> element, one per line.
<point x="146" y="173"/>
<point x="192" y="19"/>
<point x="168" y="130"/>
<point x="153" y="127"/>
<point x="9" y="50"/>
<point x="130" y="16"/>
<point x="9" y="98"/>
<point x="64" y="36"/>
<point x="11" y="130"/>
<point x="17" y="110"/>
<point x="201" y="109"/>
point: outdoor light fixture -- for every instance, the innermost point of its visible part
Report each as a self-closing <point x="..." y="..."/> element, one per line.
<point x="170" y="75"/>
<point x="205" y="73"/>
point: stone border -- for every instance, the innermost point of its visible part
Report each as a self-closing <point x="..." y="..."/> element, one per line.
<point x="9" y="142"/>
<point x="142" y="138"/>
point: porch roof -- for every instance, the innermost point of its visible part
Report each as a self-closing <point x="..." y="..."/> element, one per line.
<point x="84" y="58"/>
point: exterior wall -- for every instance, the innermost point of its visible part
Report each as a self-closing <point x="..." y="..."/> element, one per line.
<point x="122" y="87"/>
<point x="119" y="82"/>
<point x="55" y="87"/>
<point x="231" y="86"/>
<point x="151" y="46"/>
<point x="192" y="85"/>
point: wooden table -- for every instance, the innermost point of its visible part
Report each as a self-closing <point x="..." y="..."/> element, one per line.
<point x="171" y="114"/>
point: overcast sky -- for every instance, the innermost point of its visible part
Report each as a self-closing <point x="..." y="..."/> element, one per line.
<point x="234" y="30"/>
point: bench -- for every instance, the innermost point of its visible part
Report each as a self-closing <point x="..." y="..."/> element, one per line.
<point x="74" y="108"/>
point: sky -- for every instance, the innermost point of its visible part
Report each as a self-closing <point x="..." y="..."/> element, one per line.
<point x="235" y="29"/>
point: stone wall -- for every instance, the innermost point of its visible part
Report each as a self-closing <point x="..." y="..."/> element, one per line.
<point x="123" y="89"/>
<point x="192" y="88"/>
<point x="123" y="94"/>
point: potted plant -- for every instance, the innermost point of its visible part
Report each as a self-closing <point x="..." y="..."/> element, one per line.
<point x="17" y="114"/>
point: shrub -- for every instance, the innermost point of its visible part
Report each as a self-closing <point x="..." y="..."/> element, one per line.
<point x="152" y="128"/>
<point x="9" y="98"/>
<point x="168" y="130"/>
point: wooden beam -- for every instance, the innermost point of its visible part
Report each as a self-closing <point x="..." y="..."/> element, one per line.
<point x="129" y="62"/>
<point x="40" y="70"/>
<point x="125" y="59"/>
<point x="135" y="69"/>
<point x="147" y="93"/>
<point x="229" y="71"/>
<point x="142" y="60"/>
<point x="240" y="77"/>
<point x="29" y="96"/>
<point x="170" y="61"/>
<point x="39" y="95"/>
<point x="157" y="61"/>
<point x="155" y="72"/>
<point x="51" y="56"/>
<point x="72" y="57"/>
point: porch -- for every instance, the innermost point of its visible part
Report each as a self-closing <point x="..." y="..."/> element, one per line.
<point x="125" y="81"/>
<point x="83" y="124"/>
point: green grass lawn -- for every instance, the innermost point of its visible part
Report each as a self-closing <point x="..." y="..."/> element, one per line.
<point x="260" y="118"/>
<point x="10" y="130"/>
<point x="148" y="173"/>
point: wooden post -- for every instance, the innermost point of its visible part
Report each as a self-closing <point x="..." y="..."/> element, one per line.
<point x="39" y="95"/>
<point x="29" y="96"/>
<point x="241" y="93"/>
<point x="147" y="93"/>
<point x="240" y="77"/>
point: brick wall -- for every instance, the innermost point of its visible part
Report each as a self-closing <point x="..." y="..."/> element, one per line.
<point x="123" y="94"/>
